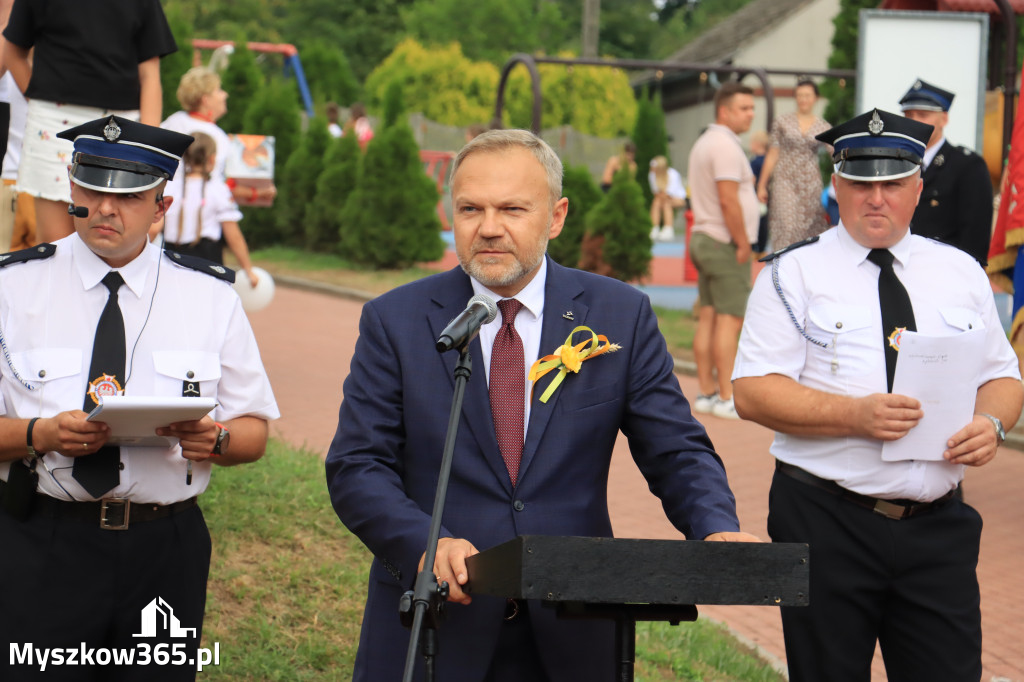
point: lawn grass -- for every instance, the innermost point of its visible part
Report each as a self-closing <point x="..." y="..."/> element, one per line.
<point x="287" y="584"/>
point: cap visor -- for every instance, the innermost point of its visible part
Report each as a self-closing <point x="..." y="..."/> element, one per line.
<point x="112" y="180"/>
<point x="875" y="170"/>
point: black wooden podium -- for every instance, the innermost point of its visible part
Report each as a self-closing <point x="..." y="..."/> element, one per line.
<point x="634" y="580"/>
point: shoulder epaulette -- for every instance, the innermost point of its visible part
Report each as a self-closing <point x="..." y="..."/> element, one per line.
<point x="207" y="267"/>
<point x="794" y="245"/>
<point x="37" y="252"/>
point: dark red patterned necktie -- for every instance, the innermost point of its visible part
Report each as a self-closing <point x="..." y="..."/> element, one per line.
<point x="507" y="387"/>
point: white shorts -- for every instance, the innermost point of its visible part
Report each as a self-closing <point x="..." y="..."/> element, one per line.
<point x="45" y="158"/>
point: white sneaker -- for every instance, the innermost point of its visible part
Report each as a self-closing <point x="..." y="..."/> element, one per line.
<point x="705" y="403"/>
<point x="726" y="409"/>
<point x="668" y="233"/>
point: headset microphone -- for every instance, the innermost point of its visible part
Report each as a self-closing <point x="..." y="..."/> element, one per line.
<point x="78" y="211"/>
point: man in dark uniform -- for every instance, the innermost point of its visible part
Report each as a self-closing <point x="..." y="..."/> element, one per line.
<point x="956" y="204"/>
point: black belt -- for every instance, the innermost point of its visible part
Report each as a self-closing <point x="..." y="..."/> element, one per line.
<point x="112" y="513"/>
<point x="891" y="509"/>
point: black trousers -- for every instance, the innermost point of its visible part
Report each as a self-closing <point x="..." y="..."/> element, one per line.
<point x="69" y="585"/>
<point x="911" y="585"/>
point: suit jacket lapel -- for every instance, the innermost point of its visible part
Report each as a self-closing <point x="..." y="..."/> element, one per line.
<point x="449" y="301"/>
<point x="561" y="292"/>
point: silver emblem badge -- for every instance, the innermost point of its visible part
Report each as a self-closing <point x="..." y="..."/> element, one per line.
<point x="918" y="85"/>
<point x="4" y="257"/>
<point x="218" y="269"/>
<point x="939" y="160"/>
<point x="112" y="132"/>
<point x="875" y="125"/>
<point x="568" y="315"/>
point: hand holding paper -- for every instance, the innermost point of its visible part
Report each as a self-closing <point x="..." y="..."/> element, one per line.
<point x="940" y="371"/>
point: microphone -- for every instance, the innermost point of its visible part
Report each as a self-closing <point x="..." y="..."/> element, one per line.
<point x="463" y="329"/>
<point x="78" y="211"/>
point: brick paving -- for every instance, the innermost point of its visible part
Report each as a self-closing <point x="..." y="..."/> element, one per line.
<point x="307" y="339"/>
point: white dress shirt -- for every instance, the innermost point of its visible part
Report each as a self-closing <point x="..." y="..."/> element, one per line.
<point x="832" y="291"/>
<point x="179" y="325"/>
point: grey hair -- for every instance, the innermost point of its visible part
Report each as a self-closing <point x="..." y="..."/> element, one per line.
<point x="502" y="140"/>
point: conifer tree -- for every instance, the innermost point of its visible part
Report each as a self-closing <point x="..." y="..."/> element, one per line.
<point x="390" y="218"/>
<point x="618" y="241"/>
<point x="650" y="138"/>
<point x="242" y="79"/>
<point x="297" y="186"/>
<point x="336" y="182"/>
<point x="583" y="194"/>
<point x="174" y="65"/>
<point x="275" y="110"/>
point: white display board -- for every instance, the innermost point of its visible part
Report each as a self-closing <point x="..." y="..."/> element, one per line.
<point x="946" y="49"/>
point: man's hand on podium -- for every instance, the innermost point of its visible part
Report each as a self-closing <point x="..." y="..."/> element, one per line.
<point x="731" y="536"/>
<point x="450" y="566"/>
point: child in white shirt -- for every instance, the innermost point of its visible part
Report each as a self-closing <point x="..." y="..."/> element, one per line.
<point x="203" y="212"/>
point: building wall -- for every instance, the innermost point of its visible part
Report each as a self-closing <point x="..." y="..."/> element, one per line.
<point x="803" y="40"/>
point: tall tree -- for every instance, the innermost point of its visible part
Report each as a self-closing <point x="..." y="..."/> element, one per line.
<point x="525" y="26"/>
<point x="242" y="79"/>
<point x="329" y="74"/>
<point x="844" y="56"/>
<point x="174" y="65"/>
<point x="390" y="218"/>
<point x="274" y="110"/>
<point x="650" y="138"/>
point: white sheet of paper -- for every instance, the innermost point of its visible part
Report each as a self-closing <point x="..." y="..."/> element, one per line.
<point x="941" y="372"/>
<point x="133" y="420"/>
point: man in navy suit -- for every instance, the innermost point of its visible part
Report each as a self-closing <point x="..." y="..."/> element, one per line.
<point x="382" y="466"/>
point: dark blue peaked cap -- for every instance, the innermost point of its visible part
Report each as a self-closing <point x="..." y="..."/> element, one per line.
<point x="118" y="155"/>
<point x="926" y="97"/>
<point x="877" y="146"/>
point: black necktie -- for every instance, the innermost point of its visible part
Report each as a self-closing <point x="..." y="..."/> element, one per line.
<point x="897" y="312"/>
<point x="99" y="472"/>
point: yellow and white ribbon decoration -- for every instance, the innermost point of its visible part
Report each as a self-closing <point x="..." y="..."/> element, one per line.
<point x="569" y="358"/>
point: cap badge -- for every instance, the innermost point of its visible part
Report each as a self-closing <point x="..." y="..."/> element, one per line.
<point x="112" y="131"/>
<point x="918" y="85"/>
<point x="875" y="125"/>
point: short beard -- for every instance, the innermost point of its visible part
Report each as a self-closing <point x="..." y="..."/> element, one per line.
<point x="513" y="274"/>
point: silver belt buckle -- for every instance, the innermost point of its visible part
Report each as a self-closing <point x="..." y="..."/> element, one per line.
<point x="890" y="510"/>
<point x="112" y="504"/>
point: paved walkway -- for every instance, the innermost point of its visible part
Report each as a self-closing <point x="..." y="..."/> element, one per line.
<point x="307" y="339"/>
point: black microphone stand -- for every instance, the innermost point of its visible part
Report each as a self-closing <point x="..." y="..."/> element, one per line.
<point x="424" y="605"/>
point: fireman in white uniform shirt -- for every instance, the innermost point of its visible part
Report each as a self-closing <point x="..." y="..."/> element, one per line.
<point x="893" y="551"/>
<point x="80" y="570"/>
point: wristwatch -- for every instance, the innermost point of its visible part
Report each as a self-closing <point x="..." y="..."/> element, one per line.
<point x="1000" y="431"/>
<point x="223" y="438"/>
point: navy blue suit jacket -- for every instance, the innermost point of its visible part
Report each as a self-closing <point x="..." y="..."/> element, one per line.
<point x="382" y="467"/>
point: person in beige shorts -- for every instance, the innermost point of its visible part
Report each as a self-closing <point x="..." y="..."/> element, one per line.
<point x="726" y="215"/>
<point x="722" y="283"/>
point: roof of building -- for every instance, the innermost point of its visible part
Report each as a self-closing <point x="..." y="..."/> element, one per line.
<point x="723" y="40"/>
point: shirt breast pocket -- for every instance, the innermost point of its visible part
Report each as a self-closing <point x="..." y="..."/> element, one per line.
<point x="56" y="377"/>
<point x="186" y="373"/>
<point x="962" y="319"/>
<point x="843" y="335"/>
